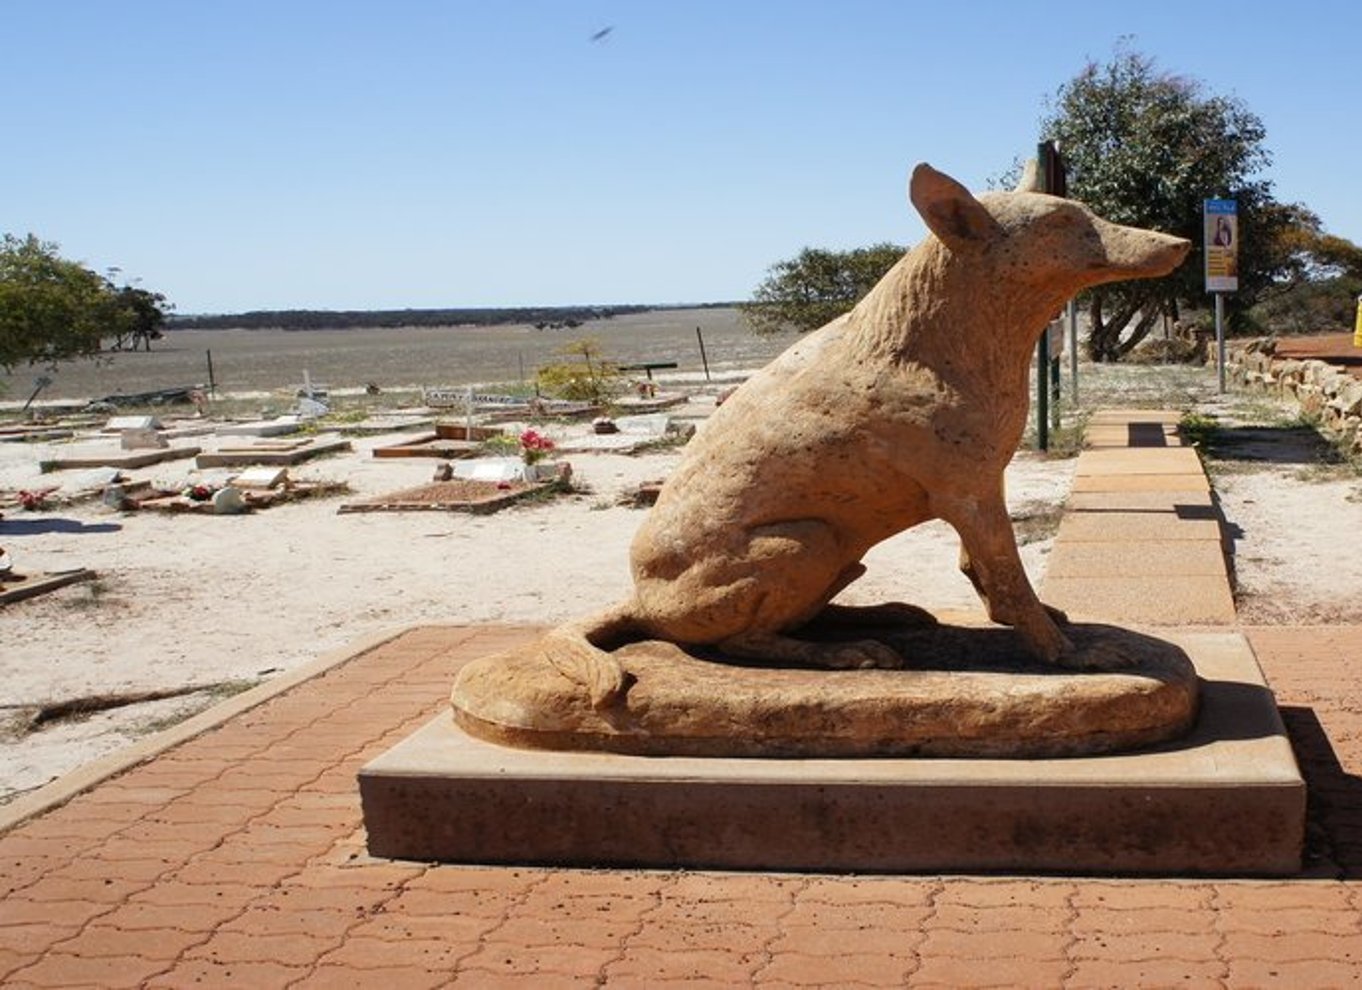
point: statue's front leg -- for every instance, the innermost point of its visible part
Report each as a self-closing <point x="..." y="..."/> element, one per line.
<point x="989" y="558"/>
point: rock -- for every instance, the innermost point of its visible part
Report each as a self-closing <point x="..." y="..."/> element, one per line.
<point x="115" y="497"/>
<point x="1349" y="400"/>
<point x="228" y="502"/>
<point x="1289" y="371"/>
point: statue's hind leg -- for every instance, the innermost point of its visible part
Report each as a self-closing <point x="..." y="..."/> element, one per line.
<point x="838" y="655"/>
<point x="894" y="615"/>
<point x="858" y="654"/>
<point x="751" y="595"/>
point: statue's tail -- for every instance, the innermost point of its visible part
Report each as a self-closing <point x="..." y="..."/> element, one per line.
<point x="579" y="651"/>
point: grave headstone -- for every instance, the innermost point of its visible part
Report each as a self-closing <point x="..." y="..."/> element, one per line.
<point x="117" y="424"/>
<point x="261" y="477"/>
<point x="312" y="409"/>
<point x="142" y="439"/>
<point x="650" y="424"/>
<point x="491" y="469"/>
<point x="91" y="480"/>
<point x="279" y="426"/>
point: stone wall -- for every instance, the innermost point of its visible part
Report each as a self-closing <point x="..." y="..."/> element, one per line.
<point x="1319" y="388"/>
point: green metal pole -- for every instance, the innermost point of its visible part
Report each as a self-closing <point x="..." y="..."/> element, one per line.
<point x="1043" y="392"/>
<point x="1055" y="392"/>
<point x="1073" y="351"/>
<point x="1045" y="162"/>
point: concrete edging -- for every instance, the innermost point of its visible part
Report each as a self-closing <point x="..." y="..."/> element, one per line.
<point x="74" y="782"/>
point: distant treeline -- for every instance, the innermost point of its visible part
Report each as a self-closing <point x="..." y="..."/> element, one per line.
<point x="544" y="317"/>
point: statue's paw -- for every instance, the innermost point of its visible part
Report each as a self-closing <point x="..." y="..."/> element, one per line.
<point x="596" y="671"/>
<point x="1057" y="615"/>
<point x="1097" y="658"/>
<point x="905" y="615"/>
<point x="866" y="654"/>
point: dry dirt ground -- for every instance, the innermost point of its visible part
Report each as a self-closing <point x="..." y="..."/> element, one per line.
<point x="215" y="603"/>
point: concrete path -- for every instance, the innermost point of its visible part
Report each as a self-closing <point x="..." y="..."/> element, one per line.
<point x="236" y="858"/>
<point x="1141" y="539"/>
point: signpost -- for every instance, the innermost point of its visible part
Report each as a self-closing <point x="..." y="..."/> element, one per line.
<point x="1047" y="366"/>
<point x="1220" y="223"/>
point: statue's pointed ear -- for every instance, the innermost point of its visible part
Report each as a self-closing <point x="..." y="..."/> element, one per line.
<point x="1030" y="180"/>
<point x="949" y="210"/>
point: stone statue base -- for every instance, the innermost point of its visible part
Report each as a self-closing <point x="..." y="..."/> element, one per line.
<point x="970" y="692"/>
<point x="1226" y="799"/>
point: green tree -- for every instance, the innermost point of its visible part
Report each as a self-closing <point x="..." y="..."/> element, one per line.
<point x="138" y="316"/>
<point x="816" y="287"/>
<point x="1321" y="295"/>
<point x="1145" y="147"/>
<point x="51" y="309"/>
<point x="1338" y="256"/>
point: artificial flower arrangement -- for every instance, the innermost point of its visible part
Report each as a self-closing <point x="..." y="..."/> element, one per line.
<point x="534" y="446"/>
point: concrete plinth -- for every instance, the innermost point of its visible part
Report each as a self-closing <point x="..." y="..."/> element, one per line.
<point x="1226" y="800"/>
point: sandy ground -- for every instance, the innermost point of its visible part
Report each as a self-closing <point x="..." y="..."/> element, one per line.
<point x="1297" y="546"/>
<point x="187" y="600"/>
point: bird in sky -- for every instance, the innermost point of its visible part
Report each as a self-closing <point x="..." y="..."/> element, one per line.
<point x="602" y="33"/>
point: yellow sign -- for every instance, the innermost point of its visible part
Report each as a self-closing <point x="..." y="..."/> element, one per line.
<point x="1357" y="327"/>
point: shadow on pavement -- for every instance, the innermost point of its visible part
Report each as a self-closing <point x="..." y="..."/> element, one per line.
<point x="1333" y="827"/>
<point x="35" y="527"/>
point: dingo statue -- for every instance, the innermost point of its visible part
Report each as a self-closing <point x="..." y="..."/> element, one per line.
<point x="905" y="409"/>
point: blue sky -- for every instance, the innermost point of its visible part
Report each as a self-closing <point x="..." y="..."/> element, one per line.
<point x="266" y="154"/>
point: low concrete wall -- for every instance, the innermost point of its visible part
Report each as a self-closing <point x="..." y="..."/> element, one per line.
<point x="1319" y="388"/>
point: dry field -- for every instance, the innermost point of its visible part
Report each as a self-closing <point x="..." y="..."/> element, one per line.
<point x="269" y="361"/>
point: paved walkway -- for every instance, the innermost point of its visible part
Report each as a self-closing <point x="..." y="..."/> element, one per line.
<point x="237" y="858"/>
<point x="1140" y="540"/>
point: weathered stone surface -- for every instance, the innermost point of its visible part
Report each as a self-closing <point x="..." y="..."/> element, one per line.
<point x="1226" y="799"/>
<point x="970" y="692"/>
<point x="1319" y="388"/>
<point x="1348" y="400"/>
<point x="906" y="409"/>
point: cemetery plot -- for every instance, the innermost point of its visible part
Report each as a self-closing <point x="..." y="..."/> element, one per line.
<point x="16" y="587"/>
<point x="231" y="500"/>
<point x="115" y="457"/>
<point x="274" y="452"/>
<point x="254" y="488"/>
<point x="388" y="424"/>
<point x="10" y="433"/>
<point x="455" y="495"/>
<point x="449" y="441"/>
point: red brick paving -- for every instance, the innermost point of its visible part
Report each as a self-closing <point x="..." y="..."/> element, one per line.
<point x="201" y="868"/>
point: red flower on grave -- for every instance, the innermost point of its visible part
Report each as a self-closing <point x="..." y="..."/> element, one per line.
<point x="534" y="446"/>
<point x="35" y="500"/>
